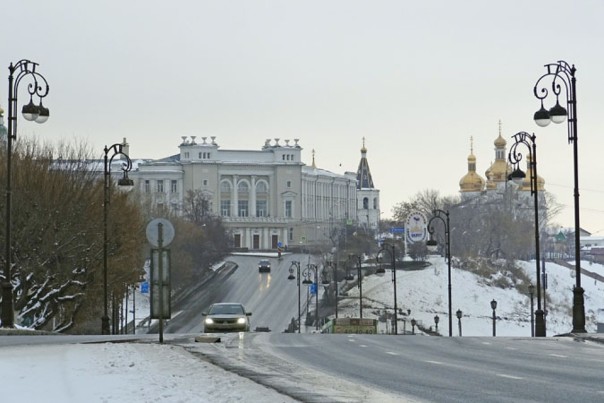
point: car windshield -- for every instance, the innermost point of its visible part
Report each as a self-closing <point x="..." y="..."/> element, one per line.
<point x="227" y="309"/>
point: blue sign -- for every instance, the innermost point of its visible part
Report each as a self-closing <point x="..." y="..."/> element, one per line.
<point x="313" y="289"/>
<point x="397" y="230"/>
<point x="145" y="287"/>
<point x="279" y="244"/>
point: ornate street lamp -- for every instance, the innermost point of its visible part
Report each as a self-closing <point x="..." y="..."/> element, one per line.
<point x="291" y="276"/>
<point x="436" y="320"/>
<point x="116" y="150"/>
<point x="563" y="75"/>
<point x="386" y="248"/>
<point x="38" y="86"/>
<point x="494" y="307"/>
<point x="307" y="274"/>
<point x="438" y="214"/>
<point x="523" y="138"/>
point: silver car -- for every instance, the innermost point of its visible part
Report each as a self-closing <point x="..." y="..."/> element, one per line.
<point x="226" y="317"/>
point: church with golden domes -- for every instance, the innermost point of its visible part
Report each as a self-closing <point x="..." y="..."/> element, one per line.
<point x="472" y="185"/>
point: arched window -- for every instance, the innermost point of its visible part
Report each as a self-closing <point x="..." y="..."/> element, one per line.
<point x="365" y="203"/>
<point x="225" y="187"/>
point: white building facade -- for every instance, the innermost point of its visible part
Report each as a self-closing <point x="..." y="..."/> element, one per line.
<point x="267" y="198"/>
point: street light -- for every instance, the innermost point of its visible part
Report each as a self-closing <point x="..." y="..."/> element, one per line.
<point x="459" y="315"/>
<point x="390" y="249"/>
<point x="564" y="75"/>
<point x="38" y="86"/>
<point x="436" y="319"/>
<point x="493" y="307"/>
<point x="531" y="289"/>
<point x="529" y="140"/>
<point x="359" y="281"/>
<point x="307" y="273"/>
<point x="438" y="214"/>
<point x="291" y="276"/>
<point x="117" y="150"/>
<point x="413" y="323"/>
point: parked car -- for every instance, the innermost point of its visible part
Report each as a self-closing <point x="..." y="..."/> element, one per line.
<point x="264" y="266"/>
<point x="226" y="317"/>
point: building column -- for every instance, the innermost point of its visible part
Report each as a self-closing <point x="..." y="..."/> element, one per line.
<point x="253" y="197"/>
<point x="234" y="198"/>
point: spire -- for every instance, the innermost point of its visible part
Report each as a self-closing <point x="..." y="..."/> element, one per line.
<point x="313" y="158"/>
<point x="364" y="180"/>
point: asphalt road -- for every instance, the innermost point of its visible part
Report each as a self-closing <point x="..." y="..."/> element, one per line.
<point x="337" y="367"/>
<point x="271" y="297"/>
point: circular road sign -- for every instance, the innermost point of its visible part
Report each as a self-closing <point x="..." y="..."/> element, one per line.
<point x="153" y="232"/>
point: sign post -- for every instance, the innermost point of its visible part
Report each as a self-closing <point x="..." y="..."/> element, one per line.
<point x="160" y="234"/>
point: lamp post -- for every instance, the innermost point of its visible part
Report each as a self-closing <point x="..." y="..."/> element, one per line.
<point x="444" y="217"/>
<point x="494" y="307"/>
<point x="563" y="75"/>
<point x="413" y="323"/>
<point x="334" y="267"/>
<point x="357" y="258"/>
<point x="37" y="86"/>
<point x="291" y="276"/>
<point x="523" y="138"/>
<point x="436" y="319"/>
<point x="459" y="315"/>
<point x="307" y="273"/>
<point x="115" y="150"/>
<point x="390" y="249"/>
<point x="531" y="291"/>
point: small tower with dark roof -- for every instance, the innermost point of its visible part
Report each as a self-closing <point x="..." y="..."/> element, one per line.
<point x="368" y="197"/>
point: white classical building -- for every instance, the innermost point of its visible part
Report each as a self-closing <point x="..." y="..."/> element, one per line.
<point x="266" y="198"/>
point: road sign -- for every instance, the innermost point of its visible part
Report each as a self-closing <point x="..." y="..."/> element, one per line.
<point x="153" y="232"/>
<point x="417" y="227"/>
<point x="397" y="230"/>
<point x="313" y="289"/>
<point x="144" y="287"/>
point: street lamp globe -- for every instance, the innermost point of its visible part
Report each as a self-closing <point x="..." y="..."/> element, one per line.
<point x="557" y="113"/>
<point x="493" y="304"/>
<point x="541" y="117"/>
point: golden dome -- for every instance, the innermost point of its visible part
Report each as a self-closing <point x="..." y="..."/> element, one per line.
<point x="471" y="182"/>
<point x="526" y="182"/>
<point x="500" y="142"/>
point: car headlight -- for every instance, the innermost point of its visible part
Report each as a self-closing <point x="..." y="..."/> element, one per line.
<point x="241" y="321"/>
<point x="209" y="321"/>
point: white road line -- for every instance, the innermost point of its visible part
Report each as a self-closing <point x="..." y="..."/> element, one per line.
<point x="558" y="355"/>
<point x="435" y="362"/>
<point x="509" y="376"/>
<point x="391" y="353"/>
<point x="362" y="345"/>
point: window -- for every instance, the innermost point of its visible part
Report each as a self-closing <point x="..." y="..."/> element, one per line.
<point x="225" y="187"/>
<point x="289" y="184"/>
<point x="205" y="182"/>
<point x="291" y="234"/>
<point x="261" y="208"/>
<point x="288" y="208"/>
<point x="261" y="187"/>
<point x="225" y="208"/>
<point x="375" y="203"/>
<point x="242" y="187"/>
<point x="160" y="186"/>
<point x="365" y="203"/>
<point x="243" y="208"/>
<point x="147" y="186"/>
<point x="173" y="186"/>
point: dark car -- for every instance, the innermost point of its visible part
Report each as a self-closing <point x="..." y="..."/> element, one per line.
<point x="264" y="266"/>
<point x="226" y="317"/>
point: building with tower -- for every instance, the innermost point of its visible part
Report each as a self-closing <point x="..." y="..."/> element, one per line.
<point x="266" y="198"/>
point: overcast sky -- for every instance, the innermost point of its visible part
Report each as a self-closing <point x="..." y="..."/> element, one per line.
<point x="416" y="79"/>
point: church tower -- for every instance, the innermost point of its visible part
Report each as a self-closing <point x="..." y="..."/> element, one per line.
<point x="471" y="184"/>
<point x="368" y="197"/>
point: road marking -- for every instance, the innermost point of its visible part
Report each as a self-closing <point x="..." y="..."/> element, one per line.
<point x="435" y="362"/>
<point x="509" y="376"/>
<point x="558" y="355"/>
<point x="362" y="345"/>
<point x="391" y="353"/>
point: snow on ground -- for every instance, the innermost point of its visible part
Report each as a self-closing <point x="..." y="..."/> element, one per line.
<point x="424" y="292"/>
<point x="120" y="372"/>
<point x="150" y="372"/>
